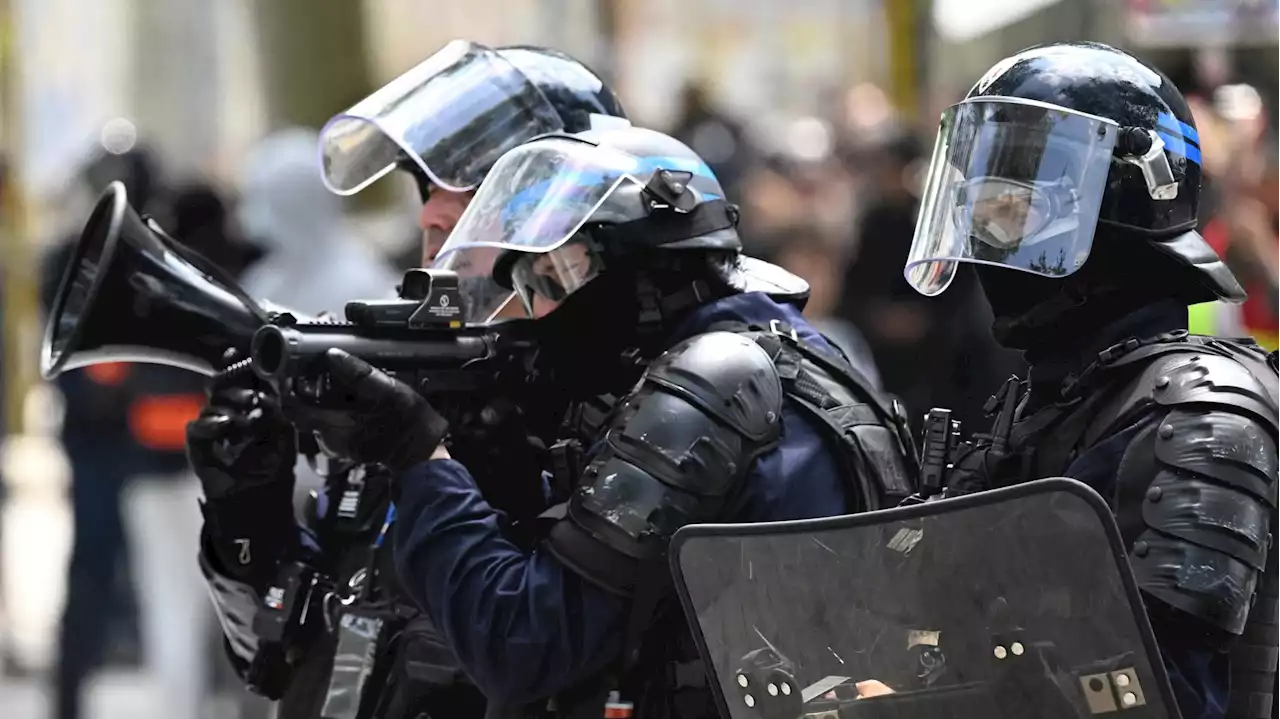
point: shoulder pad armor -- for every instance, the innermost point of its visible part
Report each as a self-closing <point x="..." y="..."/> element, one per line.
<point x="726" y="375"/>
<point x="1209" y="379"/>
<point x="1207" y="501"/>
<point x="674" y="454"/>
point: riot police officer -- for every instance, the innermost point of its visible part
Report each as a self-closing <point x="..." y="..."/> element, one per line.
<point x="426" y="122"/>
<point x="1070" y="177"/>
<point x="448" y="120"/>
<point x="732" y="409"/>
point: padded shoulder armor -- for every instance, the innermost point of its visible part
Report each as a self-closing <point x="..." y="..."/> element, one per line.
<point x="674" y="454"/>
<point x="727" y="376"/>
<point x="1209" y="472"/>
<point x="1188" y="378"/>
<point x="1207" y="379"/>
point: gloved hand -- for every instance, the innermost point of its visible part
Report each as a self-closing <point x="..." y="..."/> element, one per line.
<point x="243" y="450"/>
<point x="368" y="416"/>
<point x="241" y="441"/>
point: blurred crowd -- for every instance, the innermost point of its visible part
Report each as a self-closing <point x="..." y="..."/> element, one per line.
<point x="831" y="197"/>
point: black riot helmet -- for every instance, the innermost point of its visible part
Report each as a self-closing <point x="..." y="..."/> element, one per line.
<point x="562" y="211"/>
<point x="449" y="118"/>
<point x="573" y="90"/>
<point x="1070" y="175"/>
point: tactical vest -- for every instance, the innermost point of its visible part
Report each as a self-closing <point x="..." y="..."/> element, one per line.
<point x="869" y="435"/>
<point x="870" y="432"/>
<point x="1104" y="393"/>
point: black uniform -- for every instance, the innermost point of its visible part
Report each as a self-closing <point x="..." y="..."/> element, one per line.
<point x="1071" y="174"/>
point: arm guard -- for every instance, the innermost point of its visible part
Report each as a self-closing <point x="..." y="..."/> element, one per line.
<point x="259" y="631"/>
<point x="675" y="454"/>
<point x="1202" y="488"/>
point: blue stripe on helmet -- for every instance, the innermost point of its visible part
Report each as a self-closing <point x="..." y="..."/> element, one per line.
<point x="1176" y="146"/>
<point x="1173" y="124"/>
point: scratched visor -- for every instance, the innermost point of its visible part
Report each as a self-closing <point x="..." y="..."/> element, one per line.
<point x="1007" y="603"/>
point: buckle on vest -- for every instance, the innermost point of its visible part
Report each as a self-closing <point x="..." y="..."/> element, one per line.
<point x="1116" y="351"/>
<point x="566" y="467"/>
<point x="778" y="327"/>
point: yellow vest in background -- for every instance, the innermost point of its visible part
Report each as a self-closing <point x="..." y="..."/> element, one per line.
<point x="1200" y="318"/>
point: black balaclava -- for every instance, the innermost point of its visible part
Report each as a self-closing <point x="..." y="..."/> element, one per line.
<point x="1049" y="317"/>
<point x="595" y="342"/>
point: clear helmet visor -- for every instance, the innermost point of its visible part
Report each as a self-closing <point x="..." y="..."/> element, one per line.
<point x="1012" y="183"/>
<point x="534" y="201"/>
<point x="454" y="115"/>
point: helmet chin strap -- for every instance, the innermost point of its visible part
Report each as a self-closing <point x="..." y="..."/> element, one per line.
<point x="660" y="308"/>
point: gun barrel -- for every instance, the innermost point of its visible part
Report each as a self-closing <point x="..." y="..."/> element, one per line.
<point x="282" y="352"/>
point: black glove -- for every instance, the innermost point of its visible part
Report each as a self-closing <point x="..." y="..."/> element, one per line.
<point x="241" y="441"/>
<point x="368" y="416"/>
<point x="243" y="450"/>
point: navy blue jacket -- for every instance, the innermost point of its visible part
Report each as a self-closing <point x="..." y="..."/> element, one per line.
<point x="1198" y="673"/>
<point x="523" y="627"/>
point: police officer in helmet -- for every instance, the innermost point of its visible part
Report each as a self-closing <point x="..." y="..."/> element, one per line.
<point x="700" y="394"/>
<point x="445" y="121"/>
<point x="1070" y="177"/>
<point x="449" y="119"/>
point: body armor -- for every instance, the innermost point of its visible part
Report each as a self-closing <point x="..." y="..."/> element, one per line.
<point x="677" y="448"/>
<point x="1196" y="486"/>
<point x="675" y="452"/>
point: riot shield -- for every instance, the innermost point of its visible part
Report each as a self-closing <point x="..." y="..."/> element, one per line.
<point x="1008" y="604"/>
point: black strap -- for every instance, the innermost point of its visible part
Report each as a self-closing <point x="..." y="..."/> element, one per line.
<point x="786" y="334"/>
<point x="892" y="414"/>
<point x="652" y="587"/>
<point x="864" y="495"/>
<point x="1073" y="424"/>
<point x="788" y="351"/>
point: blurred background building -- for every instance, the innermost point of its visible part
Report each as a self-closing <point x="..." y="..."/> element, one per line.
<point x="818" y="115"/>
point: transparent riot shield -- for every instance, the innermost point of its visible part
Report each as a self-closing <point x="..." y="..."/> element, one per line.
<point x="1010" y="604"/>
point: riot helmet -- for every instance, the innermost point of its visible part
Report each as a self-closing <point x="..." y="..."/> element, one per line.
<point x="449" y="118"/>
<point x="1070" y="176"/>
<point x="560" y="211"/>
